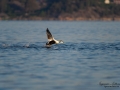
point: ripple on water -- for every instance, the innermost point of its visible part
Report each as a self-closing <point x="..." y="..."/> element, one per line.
<point x="65" y="46"/>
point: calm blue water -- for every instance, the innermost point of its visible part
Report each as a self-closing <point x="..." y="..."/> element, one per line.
<point x="89" y="56"/>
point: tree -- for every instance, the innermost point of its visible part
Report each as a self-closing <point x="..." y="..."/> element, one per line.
<point x="31" y="5"/>
<point x="3" y="5"/>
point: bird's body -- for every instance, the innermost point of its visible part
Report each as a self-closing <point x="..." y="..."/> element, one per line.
<point x="51" y="39"/>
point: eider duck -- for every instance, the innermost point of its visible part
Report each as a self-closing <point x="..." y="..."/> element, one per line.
<point x="51" y="39"/>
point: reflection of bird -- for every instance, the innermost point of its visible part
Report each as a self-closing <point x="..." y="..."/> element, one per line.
<point x="51" y="39"/>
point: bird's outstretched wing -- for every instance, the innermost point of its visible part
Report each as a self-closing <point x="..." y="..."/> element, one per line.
<point x="49" y="35"/>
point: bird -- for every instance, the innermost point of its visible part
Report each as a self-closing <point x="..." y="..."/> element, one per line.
<point x="51" y="39"/>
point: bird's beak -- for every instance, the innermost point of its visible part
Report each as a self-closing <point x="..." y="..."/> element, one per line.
<point x="62" y="42"/>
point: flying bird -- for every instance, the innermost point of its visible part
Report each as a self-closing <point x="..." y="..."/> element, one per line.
<point x="51" y="39"/>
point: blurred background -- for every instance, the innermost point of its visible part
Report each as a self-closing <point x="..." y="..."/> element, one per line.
<point x="89" y="57"/>
<point x="59" y="9"/>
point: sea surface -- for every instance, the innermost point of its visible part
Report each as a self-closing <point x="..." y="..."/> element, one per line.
<point x="89" y="58"/>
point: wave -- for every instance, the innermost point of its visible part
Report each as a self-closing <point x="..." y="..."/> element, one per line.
<point x="65" y="46"/>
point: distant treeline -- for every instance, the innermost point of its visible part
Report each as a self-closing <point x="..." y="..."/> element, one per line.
<point x="56" y="8"/>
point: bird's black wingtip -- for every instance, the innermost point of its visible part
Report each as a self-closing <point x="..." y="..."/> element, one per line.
<point x="47" y="30"/>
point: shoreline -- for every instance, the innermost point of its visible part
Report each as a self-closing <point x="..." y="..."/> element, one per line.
<point x="62" y="19"/>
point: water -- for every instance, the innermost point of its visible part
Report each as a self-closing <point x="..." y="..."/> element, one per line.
<point x="89" y="57"/>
